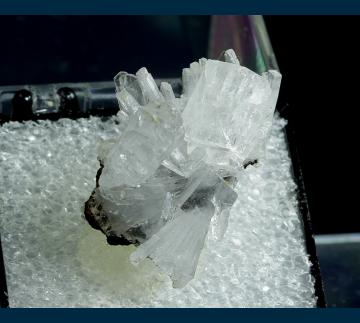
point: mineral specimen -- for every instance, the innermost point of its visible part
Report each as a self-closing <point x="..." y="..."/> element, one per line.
<point x="170" y="175"/>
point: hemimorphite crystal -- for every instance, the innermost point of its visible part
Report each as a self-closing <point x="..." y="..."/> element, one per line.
<point x="177" y="246"/>
<point x="150" y="135"/>
<point x="170" y="175"/>
<point x="229" y="112"/>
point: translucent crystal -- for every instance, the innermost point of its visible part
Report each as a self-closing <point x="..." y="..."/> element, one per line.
<point x="150" y="135"/>
<point x="182" y="162"/>
<point x="140" y="207"/>
<point x="230" y="57"/>
<point x="137" y="212"/>
<point x="177" y="246"/>
<point x="229" y="112"/>
<point x="170" y="176"/>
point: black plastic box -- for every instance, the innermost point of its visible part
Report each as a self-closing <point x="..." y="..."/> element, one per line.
<point x="256" y="44"/>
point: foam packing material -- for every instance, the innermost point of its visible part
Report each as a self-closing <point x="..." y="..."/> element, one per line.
<point x="53" y="258"/>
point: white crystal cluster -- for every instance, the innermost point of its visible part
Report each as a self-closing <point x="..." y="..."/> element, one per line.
<point x="170" y="176"/>
<point x="53" y="258"/>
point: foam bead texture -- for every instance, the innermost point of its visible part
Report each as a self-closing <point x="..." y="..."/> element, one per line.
<point x="53" y="258"/>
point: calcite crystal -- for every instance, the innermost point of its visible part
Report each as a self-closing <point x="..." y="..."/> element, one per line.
<point x="169" y="177"/>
